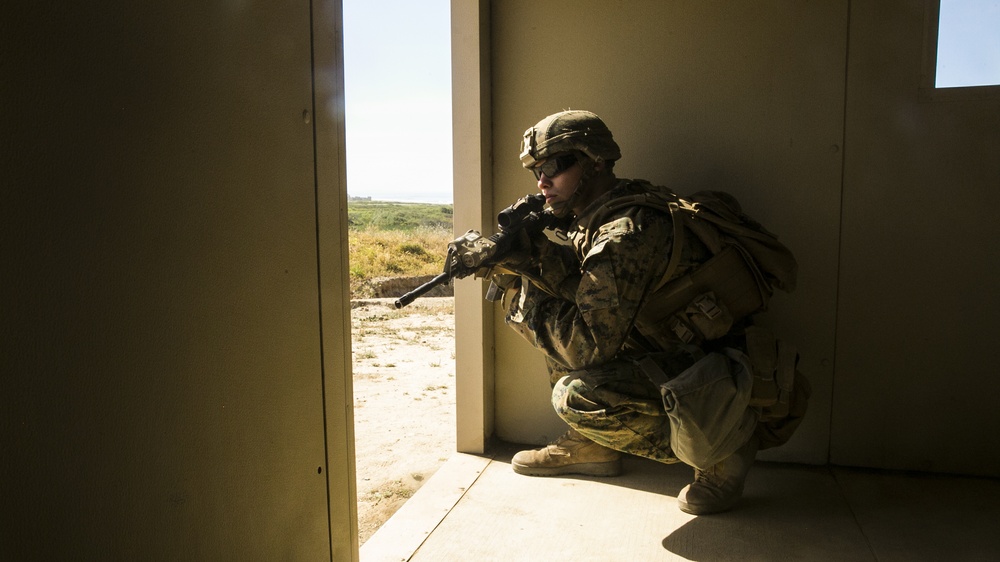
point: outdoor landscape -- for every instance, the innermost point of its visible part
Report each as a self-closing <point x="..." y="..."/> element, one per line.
<point x="404" y="359"/>
<point x="392" y="240"/>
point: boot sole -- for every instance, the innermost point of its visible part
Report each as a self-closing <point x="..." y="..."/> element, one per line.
<point x="609" y="468"/>
<point x="706" y="509"/>
<point x="710" y="507"/>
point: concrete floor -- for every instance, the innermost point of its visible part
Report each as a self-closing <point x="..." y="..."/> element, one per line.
<point x="477" y="508"/>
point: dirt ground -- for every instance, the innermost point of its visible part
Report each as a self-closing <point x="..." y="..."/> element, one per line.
<point x="404" y="401"/>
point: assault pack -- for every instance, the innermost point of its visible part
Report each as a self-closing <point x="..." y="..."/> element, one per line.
<point x="762" y="385"/>
<point x="748" y="263"/>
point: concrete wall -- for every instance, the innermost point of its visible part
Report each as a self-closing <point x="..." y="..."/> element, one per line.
<point x="175" y="349"/>
<point x="794" y="107"/>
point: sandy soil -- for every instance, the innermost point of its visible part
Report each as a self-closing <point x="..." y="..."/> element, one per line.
<point x="404" y="401"/>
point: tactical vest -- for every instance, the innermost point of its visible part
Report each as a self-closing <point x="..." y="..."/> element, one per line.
<point x="747" y="264"/>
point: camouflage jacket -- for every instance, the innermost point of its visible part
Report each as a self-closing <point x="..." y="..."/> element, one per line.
<point x="597" y="286"/>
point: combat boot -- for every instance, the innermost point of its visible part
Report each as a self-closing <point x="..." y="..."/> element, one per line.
<point x="570" y="454"/>
<point x="719" y="487"/>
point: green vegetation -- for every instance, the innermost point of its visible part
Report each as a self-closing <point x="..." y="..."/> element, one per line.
<point x="382" y="215"/>
<point x="396" y="240"/>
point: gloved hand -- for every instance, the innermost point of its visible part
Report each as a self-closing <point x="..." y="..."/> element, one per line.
<point x="468" y="253"/>
<point x="472" y="253"/>
<point x="519" y="259"/>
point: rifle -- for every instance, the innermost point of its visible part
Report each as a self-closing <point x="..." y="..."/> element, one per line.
<point x="470" y="252"/>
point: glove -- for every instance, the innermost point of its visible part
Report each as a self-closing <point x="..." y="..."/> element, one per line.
<point x="467" y="254"/>
<point x="472" y="253"/>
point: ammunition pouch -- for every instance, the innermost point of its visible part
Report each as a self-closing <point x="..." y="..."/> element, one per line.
<point x="704" y="304"/>
<point x="774" y="371"/>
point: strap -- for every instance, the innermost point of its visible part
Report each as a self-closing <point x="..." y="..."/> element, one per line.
<point x="676" y="246"/>
<point x="677" y="217"/>
<point x="652" y="370"/>
<point x="787" y="358"/>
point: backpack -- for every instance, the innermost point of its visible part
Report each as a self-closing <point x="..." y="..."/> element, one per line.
<point x="748" y="263"/>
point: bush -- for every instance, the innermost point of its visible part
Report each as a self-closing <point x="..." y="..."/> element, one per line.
<point x="377" y="253"/>
<point x="412" y="248"/>
<point x="396" y="239"/>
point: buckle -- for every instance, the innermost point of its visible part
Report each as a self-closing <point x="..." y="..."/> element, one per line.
<point x="681" y="330"/>
<point x="528" y="148"/>
<point x="706" y="304"/>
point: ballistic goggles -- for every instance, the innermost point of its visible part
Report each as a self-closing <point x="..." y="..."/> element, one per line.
<point x="554" y="166"/>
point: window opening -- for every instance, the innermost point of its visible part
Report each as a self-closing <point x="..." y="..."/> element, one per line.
<point x="968" y="44"/>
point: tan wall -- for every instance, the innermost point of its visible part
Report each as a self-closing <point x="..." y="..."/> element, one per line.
<point x="885" y="192"/>
<point x="165" y="171"/>
<point x="747" y="98"/>
<point x="918" y="310"/>
<point x="471" y="123"/>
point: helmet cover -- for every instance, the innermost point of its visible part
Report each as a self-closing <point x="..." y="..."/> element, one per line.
<point x="567" y="131"/>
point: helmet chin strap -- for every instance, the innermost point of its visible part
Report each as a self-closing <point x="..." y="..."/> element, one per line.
<point x="564" y="209"/>
<point x="561" y="210"/>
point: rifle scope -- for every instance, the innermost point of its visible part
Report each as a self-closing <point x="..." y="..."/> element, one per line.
<point x="520" y="210"/>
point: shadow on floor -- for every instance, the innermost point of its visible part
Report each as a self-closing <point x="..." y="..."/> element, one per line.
<point x="477" y="508"/>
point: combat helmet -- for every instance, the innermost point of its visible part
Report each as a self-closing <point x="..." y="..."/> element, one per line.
<point x="568" y="131"/>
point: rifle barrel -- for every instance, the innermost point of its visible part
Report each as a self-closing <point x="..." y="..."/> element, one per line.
<point x="416" y="293"/>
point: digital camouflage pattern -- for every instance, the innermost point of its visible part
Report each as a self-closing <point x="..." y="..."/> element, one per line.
<point x="621" y="414"/>
<point x="581" y="314"/>
<point x="615" y="265"/>
<point x="567" y="131"/>
<point x="579" y="307"/>
<point x="615" y="405"/>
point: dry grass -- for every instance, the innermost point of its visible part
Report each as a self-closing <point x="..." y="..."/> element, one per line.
<point x="378" y="253"/>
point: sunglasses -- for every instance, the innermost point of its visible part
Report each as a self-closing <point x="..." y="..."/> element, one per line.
<point x="554" y="166"/>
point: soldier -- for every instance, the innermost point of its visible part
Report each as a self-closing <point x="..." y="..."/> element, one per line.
<point x="583" y="303"/>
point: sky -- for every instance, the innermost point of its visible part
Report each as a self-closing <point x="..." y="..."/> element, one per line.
<point x="397" y="75"/>
<point x="968" y="43"/>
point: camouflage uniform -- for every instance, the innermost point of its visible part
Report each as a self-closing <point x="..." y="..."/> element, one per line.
<point x="583" y="322"/>
<point x="623" y="374"/>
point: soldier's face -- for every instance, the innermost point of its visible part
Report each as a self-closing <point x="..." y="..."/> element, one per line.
<point x="559" y="189"/>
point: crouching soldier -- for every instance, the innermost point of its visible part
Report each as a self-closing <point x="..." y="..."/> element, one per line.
<point x="644" y="315"/>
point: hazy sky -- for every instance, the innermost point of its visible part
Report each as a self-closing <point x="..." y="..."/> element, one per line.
<point x="969" y="43"/>
<point x="398" y="88"/>
<point x="397" y="73"/>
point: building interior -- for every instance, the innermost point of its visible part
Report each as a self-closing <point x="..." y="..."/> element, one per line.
<point x="176" y="353"/>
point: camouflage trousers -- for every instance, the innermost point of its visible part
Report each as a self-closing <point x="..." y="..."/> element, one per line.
<point x="616" y="405"/>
